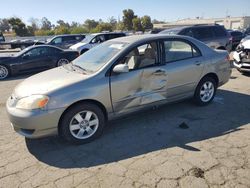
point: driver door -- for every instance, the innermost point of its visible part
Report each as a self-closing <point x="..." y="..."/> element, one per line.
<point x="143" y="85"/>
<point x="34" y="60"/>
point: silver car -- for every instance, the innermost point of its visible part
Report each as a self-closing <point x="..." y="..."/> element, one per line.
<point x="118" y="77"/>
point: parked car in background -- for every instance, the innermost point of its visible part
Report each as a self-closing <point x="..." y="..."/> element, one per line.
<point x="245" y="39"/>
<point x="237" y="36"/>
<point x="242" y="57"/>
<point x="34" y="58"/>
<point x="117" y="77"/>
<point x="94" y="39"/>
<point x="247" y="32"/>
<point x="215" y="36"/>
<point x="2" y="39"/>
<point x="65" y="41"/>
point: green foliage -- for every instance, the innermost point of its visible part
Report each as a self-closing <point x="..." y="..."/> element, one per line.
<point x="128" y="16"/>
<point x="78" y="30"/>
<point x="137" y="26"/>
<point x="146" y="22"/>
<point x="62" y="30"/>
<point x="90" y="24"/>
<point x="19" y="27"/>
<point x="44" y="27"/>
<point x="44" y="32"/>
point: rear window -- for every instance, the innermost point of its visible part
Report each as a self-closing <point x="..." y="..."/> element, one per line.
<point x="69" y="38"/>
<point x="219" y="32"/>
<point x="112" y="36"/>
<point x="203" y="33"/>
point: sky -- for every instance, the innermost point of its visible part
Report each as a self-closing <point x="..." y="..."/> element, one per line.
<point x="80" y="10"/>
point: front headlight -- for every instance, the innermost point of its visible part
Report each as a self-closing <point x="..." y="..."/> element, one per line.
<point x="32" y="102"/>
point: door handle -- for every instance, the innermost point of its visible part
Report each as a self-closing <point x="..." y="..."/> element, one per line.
<point x="197" y="63"/>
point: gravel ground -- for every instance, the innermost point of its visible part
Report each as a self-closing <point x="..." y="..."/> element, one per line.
<point x="211" y="148"/>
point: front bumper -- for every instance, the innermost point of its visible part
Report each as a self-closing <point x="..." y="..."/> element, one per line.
<point x="243" y="67"/>
<point x="35" y="123"/>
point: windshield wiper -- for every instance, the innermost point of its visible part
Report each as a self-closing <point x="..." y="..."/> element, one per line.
<point x="79" y="67"/>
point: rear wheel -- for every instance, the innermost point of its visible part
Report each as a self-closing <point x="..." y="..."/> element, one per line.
<point x="4" y="72"/>
<point x="205" y="91"/>
<point x="82" y="123"/>
<point x="62" y="62"/>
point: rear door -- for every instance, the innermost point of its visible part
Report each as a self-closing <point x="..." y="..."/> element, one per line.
<point x="183" y="64"/>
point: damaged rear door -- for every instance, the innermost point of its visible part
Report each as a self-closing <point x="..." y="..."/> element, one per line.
<point x="144" y="84"/>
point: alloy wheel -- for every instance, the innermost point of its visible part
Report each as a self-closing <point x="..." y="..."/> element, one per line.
<point x="84" y="124"/>
<point x="207" y="91"/>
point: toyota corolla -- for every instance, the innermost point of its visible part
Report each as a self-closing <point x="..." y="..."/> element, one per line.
<point x="118" y="77"/>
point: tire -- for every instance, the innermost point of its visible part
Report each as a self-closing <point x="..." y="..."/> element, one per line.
<point x="83" y="51"/>
<point x="203" y="96"/>
<point x="75" y="127"/>
<point x="61" y="62"/>
<point x="4" y="72"/>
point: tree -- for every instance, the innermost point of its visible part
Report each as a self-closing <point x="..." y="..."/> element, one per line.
<point x="61" y="23"/>
<point x="103" y="27"/>
<point x="112" y="21"/>
<point x="90" y="24"/>
<point x="157" y="22"/>
<point x="137" y="26"/>
<point x="46" y="24"/>
<point x="4" y="25"/>
<point x="74" y="24"/>
<point x="18" y="26"/>
<point x="34" y="23"/>
<point x="146" y="22"/>
<point x="128" y="16"/>
<point x="78" y="30"/>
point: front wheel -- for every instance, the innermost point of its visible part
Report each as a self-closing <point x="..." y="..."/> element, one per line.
<point x="205" y="91"/>
<point x="82" y="123"/>
<point x="4" y="72"/>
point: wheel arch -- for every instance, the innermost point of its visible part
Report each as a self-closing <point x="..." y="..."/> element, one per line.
<point x="89" y="101"/>
<point x="212" y="75"/>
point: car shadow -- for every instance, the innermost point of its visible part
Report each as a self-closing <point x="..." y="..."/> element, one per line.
<point x="173" y="125"/>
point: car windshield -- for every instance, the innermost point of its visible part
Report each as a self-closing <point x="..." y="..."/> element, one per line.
<point x="170" y="31"/>
<point x="94" y="59"/>
<point x="88" y="38"/>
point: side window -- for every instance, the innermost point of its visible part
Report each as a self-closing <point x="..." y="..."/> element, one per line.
<point x="179" y="50"/>
<point x="141" y="56"/>
<point x="187" y="32"/>
<point x="57" y="40"/>
<point x="203" y="33"/>
<point x="98" y="39"/>
<point x="219" y="32"/>
<point x="68" y="38"/>
<point x="37" y="52"/>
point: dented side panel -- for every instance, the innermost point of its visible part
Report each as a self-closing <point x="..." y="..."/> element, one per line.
<point x="137" y="88"/>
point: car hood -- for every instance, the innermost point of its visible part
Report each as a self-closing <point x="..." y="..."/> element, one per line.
<point x="48" y="81"/>
<point x="77" y="45"/>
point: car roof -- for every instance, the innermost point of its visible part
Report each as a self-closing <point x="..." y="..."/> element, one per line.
<point x="146" y="37"/>
<point x="44" y="45"/>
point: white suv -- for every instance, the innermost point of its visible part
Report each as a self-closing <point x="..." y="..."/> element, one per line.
<point x="94" y="39"/>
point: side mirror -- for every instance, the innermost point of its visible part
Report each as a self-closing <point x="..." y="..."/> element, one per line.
<point x="121" y="68"/>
